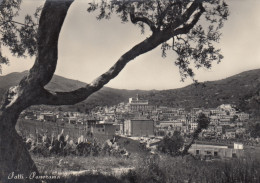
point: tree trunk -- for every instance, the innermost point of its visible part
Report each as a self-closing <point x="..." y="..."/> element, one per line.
<point x="15" y="160"/>
<point x="16" y="164"/>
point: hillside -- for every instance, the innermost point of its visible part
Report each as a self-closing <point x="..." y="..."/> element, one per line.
<point x="210" y="94"/>
<point x="105" y="96"/>
<point x="207" y="94"/>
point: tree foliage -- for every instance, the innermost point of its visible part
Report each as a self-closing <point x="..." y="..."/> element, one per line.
<point x="250" y="103"/>
<point x="194" y="43"/>
<point x="20" y="38"/>
<point x="203" y="123"/>
<point x="254" y="129"/>
<point x="171" y="144"/>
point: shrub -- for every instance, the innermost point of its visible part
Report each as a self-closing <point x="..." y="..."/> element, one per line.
<point x="185" y="169"/>
<point x="171" y="144"/>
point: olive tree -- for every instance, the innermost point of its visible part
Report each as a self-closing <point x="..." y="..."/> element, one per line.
<point x="203" y="123"/>
<point x="171" y="144"/>
<point x="190" y="28"/>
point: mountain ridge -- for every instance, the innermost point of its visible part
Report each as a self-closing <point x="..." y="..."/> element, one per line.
<point x="205" y="94"/>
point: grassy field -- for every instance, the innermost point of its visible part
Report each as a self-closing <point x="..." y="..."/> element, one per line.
<point x="153" y="169"/>
<point x="141" y="168"/>
<point x="101" y="163"/>
<point x="74" y="163"/>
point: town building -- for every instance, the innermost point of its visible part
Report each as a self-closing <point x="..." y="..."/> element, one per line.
<point x="138" y="127"/>
<point x="108" y="129"/>
<point x="48" y="116"/>
<point x="193" y="126"/>
<point x="215" y="151"/>
<point x="230" y="134"/>
<point x="137" y="105"/>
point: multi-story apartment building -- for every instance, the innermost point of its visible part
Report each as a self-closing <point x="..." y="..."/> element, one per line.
<point x="138" y="127"/>
<point x="137" y="104"/>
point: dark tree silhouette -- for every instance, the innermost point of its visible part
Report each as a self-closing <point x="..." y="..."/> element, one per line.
<point x="203" y="123"/>
<point x="174" y="25"/>
<point x="171" y="144"/>
<point x="254" y="129"/>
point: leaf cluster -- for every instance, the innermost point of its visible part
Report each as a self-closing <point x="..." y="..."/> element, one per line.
<point x="196" y="47"/>
<point x="203" y="123"/>
<point x="171" y="144"/>
<point x="20" y="38"/>
<point x="194" y="26"/>
<point x="254" y="129"/>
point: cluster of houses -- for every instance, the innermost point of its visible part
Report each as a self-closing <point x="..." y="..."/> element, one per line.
<point x="225" y="121"/>
<point x="138" y="118"/>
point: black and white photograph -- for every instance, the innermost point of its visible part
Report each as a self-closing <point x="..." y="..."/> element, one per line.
<point x="129" y="91"/>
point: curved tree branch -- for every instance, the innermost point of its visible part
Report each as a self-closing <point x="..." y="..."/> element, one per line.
<point x="14" y="156"/>
<point x="69" y="98"/>
<point x="30" y="87"/>
<point x="50" y="24"/>
<point x="186" y="28"/>
<point x="187" y="14"/>
<point x="12" y="21"/>
<point x="134" y="19"/>
<point x="162" y="14"/>
<point x="73" y="97"/>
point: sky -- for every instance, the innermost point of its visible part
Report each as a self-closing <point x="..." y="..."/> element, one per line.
<point x="88" y="48"/>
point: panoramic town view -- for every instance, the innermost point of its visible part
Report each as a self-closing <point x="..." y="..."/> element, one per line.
<point x="75" y="133"/>
<point x="137" y="139"/>
<point x="123" y="91"/>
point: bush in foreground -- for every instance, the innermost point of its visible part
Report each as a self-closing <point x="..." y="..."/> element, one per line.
<point x="167" y="169"/>
<point x="187" y="169"/>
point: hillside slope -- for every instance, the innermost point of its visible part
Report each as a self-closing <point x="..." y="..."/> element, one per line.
<point x="207" y="94"/>
<point x="105" y="96"/>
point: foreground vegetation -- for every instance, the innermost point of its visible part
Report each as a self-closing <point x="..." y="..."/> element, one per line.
<point x="90" y="164"/>
<point x="155" y="169"/>
<point x="189" y="170"/>
<point x="86" y="161"/>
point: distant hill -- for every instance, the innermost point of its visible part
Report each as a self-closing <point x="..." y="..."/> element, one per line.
<point x="105" y="96"/>
<point x="210" y="94"/>
<point x="207" y="94"/>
